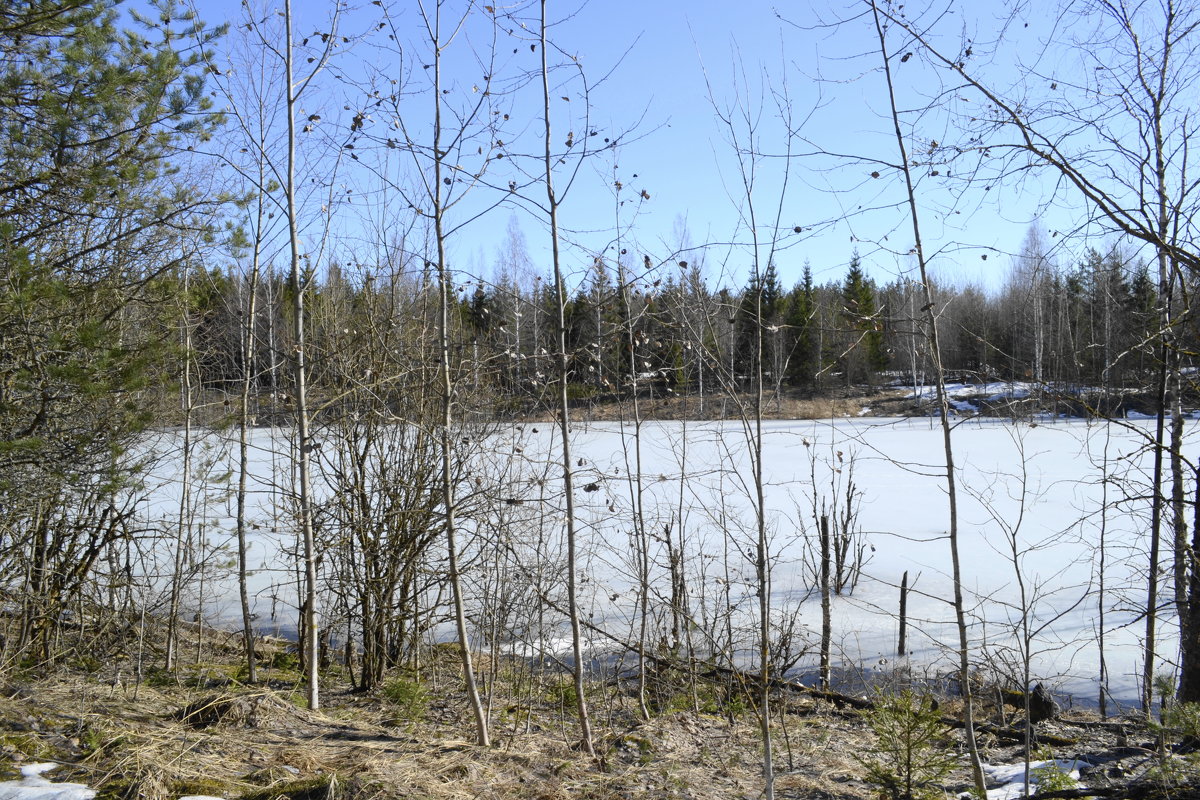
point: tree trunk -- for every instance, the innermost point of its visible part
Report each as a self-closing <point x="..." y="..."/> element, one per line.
<point x="826" y="619"/>
<point x="564" y="421"/>
<point x="299" y="287"/>
<point x="244" y="425"/>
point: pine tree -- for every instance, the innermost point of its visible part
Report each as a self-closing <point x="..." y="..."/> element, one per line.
<point x="95" y="217"/>
<point x="96" y="223"/>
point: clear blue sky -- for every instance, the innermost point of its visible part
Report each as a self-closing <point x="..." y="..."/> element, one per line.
<point x="667" y="69"/>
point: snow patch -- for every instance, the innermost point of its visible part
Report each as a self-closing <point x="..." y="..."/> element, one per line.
<point x="32" y="786"/>
<point x="1011" y="777"/>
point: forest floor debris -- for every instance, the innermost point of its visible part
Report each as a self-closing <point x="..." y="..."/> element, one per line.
<point x="199" y="731"/>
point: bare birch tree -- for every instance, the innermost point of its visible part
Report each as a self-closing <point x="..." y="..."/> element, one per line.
<point x="299" y="279"/>
<point x="943" y="404"/>
<point x="562" y="402"/>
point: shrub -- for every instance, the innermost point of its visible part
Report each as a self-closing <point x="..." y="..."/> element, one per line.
<point x="285" y="660"/>
<point x="1051" y="776"/>
<point x="1180" y="725"/>
<point x="407" y="694"/>
<point x="911" y="757"/>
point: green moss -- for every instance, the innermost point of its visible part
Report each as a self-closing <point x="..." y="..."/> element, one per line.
<point x="637" y="744"/>
<point x="87" y="664"/>
<point x="206" y="786"/>
<point x="159" y="677"/>
<point x="117" y="789"/>
<point x="28" y="745"/>
<point x="709" y="699"/>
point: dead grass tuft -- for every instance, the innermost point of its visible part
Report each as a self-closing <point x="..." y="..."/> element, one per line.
<point x="258" y="710"/>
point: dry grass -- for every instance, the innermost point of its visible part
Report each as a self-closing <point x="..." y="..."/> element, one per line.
<point x="785" y="405"/>
<point x="205" y="733"/>
<point x="235" y="741"/>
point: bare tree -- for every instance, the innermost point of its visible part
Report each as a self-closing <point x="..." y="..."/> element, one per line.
<point x="299" y="279"/>
<point x="252" y="95"/>
<point x="562" y="402"/>
<point x="446" y="142"/>
<point x="931" y="333"/>
<point x="183" y="532"/>
<point x="761" y="222"/>
<point x="634" y="341"/>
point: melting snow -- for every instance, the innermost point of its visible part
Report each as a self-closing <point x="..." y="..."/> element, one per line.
<point x="32" y="786"/>
<point x="1011" y="777"/>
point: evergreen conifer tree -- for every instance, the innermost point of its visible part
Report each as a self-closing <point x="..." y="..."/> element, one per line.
<point x="865" y="354"/>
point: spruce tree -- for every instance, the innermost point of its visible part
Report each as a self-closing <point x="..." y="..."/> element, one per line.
<point x="864" y="354"/>
<point x="803" y="363"/>
<point x="749" y="319"/>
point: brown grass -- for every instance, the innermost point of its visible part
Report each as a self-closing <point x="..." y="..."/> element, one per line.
<point x="234" y="741"/>
<point x="206" y="734"/>
<point x="786" y="405"/>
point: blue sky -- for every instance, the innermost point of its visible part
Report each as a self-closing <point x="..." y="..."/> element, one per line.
<point x="664" y="73"/>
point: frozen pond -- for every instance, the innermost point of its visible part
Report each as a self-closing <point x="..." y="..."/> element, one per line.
<point x="1040" y="504"/>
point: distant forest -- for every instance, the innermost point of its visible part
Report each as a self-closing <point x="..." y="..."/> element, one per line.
<point x="661" y="331"/>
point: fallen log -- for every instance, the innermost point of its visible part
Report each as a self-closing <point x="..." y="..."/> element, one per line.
<point x="839" y="699"/>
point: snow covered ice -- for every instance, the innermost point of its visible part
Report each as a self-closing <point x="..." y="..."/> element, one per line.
<point x="1052" y="487"/>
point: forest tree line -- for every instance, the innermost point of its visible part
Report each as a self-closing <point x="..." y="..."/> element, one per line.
<point x="1089" y="325"/>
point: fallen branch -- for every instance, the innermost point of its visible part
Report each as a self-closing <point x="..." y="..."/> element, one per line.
<point x="839" y="699"/>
